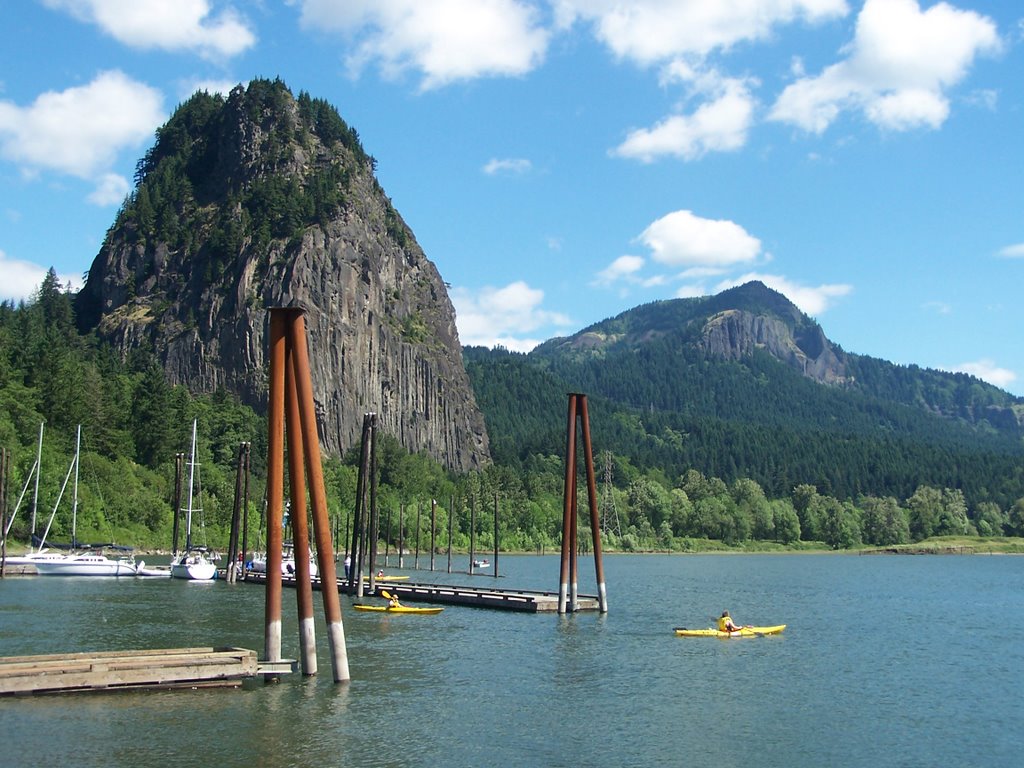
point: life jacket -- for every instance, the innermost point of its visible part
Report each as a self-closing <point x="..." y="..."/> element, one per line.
<point x="723" y="624"/>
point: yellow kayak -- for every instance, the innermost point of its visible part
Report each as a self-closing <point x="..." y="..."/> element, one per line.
<point x="387" y="578"/>
<point x="397" y="608"/>
<point x="744" y="632"/>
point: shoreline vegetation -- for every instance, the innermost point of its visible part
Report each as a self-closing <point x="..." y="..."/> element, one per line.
<point x="939" y="545"/>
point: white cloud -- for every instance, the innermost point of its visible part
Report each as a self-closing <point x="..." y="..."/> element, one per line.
<point x="624" y="267"/>
<point x="445" y="40"/>
<point x="719" y="125"/>
<point x="649" y="31"/>
<point x="681" y="239"/>
<point x="23" y="278"/>
<point x="1012" y="251"/>
<point x="178" y="25"/>
<point x="987" y="370"/>
<point x="812" y="300"/>
<point x="900" y="64"/>
<point x="691" y="291"/>
<point x="81" y="130"/>
<point x="111" y="190"/>
<point x="510" y="165"/>
<point x="504" y="316"/>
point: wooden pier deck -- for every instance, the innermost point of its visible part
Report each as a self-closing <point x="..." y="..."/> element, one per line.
<point x="525" y="601"/>
<point x="475" y="597"/>
<point x="120" y="670"/>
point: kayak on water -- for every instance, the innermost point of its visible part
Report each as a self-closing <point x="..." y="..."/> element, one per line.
<point x="397" y="608"/>
<point x="386" y="578"/>
<point x="742" y="632"/>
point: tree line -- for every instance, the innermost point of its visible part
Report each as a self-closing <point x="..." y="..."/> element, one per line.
<point x="133" y="423"/>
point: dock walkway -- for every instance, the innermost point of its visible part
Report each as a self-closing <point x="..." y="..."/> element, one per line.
<point x="526" y="601"/>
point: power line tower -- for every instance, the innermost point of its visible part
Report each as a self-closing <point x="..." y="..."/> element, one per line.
<point x="609" y="514"/>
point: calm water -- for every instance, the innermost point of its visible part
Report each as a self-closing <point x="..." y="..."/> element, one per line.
<point x="888" y="661"/>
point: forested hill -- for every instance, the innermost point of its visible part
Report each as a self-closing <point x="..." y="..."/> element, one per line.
<point x="743" y="384"/>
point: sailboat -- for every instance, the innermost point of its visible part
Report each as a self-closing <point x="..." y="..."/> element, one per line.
<point x="195" y="563"/>
<point x="90" y="562"/>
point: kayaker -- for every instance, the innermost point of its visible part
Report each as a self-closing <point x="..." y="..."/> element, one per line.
<point x="393" y="602"/>
<point x="726" y="624"/>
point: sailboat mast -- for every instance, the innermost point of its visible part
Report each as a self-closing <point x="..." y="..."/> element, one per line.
<point x="39" y="468"/>
<point x="74" y="502"/>
<point x="191" y="477"/>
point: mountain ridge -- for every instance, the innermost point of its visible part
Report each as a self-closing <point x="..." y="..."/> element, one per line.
<point x="743" y="384"/>
<point x="735" y="323"/>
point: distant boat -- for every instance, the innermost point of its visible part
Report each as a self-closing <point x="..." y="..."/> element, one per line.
<point x="481" y="564"/>
<point x="259" y="561"/>
<point x="83" y="564"/>
<point x="93" y="561"/>
<point x="152" y="571"/>
<point x="195" y="563"/>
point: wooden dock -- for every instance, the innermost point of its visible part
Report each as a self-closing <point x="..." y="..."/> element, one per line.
<point x="121" y="670"/>
<point x="474" y="597"/>
<point x="525" y="601"/>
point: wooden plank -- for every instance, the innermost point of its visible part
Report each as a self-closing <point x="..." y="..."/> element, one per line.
<point x="111" y="670"/>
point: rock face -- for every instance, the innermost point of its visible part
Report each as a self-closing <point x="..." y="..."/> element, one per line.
<point x="734" y="334"/>
<point x="263" y="200"/>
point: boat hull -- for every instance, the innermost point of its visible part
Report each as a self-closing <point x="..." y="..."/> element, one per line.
<point x="744" y="632"/>
<point x="83" y="565"/>
<point x="193" y="568"/>
<point x="288" y="567"/>
<point x="153" y="571"/>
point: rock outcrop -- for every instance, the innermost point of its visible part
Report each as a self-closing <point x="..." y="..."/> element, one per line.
<point x="262" y="200"/>
<point x="734" y="334"/>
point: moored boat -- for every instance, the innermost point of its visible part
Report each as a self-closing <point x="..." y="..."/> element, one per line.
<point x="84" y="564"/>
<point x="152" y="571"/>
<point x="742" y="632"/>
<point x="259" y="561"/>
<point x="195" y="563"/>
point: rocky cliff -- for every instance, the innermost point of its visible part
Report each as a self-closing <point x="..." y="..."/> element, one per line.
<point x="262" y="200"/>
<point x="734" y="334"/>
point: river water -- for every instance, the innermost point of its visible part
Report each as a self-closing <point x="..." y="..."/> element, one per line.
<point x="886" y="661"/>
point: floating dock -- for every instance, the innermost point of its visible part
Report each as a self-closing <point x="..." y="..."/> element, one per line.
<point x="121" y="670"/>
<point x="498" y="599"/>
<point x="525" y="601"/>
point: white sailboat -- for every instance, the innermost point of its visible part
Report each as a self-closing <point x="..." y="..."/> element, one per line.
<point x="93" y="562"/>
<point x="195" y="563"/>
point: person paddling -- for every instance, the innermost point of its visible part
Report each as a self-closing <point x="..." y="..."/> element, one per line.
<point x="726" y="624"/>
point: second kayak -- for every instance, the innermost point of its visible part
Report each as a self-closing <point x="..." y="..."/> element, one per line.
<point x="744" y="632"/>
<point x="397" y="608"/>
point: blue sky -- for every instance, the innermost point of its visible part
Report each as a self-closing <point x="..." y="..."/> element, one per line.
<point x="561" y="161"/>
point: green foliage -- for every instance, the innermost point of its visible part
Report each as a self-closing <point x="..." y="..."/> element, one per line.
<point x="222" y="178"/>
<point x="755" y="418"/>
